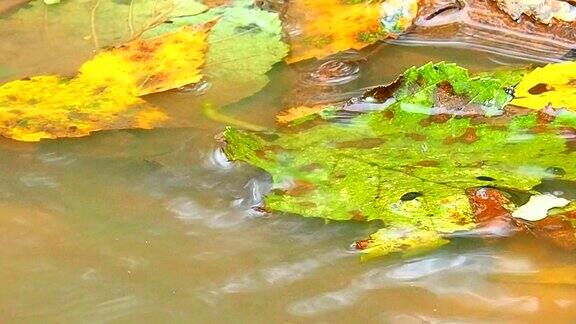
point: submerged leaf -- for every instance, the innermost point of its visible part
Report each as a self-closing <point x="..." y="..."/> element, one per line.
<point x="65" y="35"/>
<point x="244" y="44"/>
<point x="319" y="28"/>
<point x="403" y="167"/>
<point x="52" y="107"/>
<point x="551" y="86"/>
<point x="327" y="27"/>
<point x="103" y="22"/>
<point x="547" y="276"/>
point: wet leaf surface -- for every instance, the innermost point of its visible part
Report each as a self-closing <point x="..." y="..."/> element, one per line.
<point x="415" y="185"/>
<point x="52" y="107"/>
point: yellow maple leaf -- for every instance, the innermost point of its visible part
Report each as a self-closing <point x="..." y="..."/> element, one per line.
<point x="319" y="28"/>
<point x="52" y="107"/>
<point x="153" y="65"/>
<point x="105" y="94"/>
<point x="553" y="85"/>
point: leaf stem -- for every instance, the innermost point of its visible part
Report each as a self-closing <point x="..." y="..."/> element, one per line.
<point x="93" y="25"/>
<point x="214" y="114"/>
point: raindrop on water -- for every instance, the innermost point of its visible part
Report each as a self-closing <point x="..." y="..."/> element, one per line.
<point x="335" y="72"/>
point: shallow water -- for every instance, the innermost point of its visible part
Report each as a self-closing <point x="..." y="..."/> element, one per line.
<point x="156" y="226"/>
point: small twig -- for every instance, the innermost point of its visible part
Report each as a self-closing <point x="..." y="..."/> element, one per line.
<point x="131" y="18"/>
<point x="93" y="25"/>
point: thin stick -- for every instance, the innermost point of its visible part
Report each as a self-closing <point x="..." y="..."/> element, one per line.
<point x="130" y="18"/>
<point x="93" y="25"/>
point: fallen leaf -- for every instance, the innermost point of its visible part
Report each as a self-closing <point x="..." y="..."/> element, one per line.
<point x="386" y="241"/>
<point x="551" y="86"/>
<point x="53" y="107"/>
<point x="319" y="28"/>
<point x="491" y="212"/>
<point x="559" y="228"/>
<point x="148" y="66"/>
<point x="243" y="45"/>
<point x="433" y="89"/>
<point x="403" y="166"/>
<point x="105" y="93"/>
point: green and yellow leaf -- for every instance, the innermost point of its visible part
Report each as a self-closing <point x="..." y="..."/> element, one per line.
<point x="243" y="45"/>
<point x="54" y="107"/>
<point x="410" y="165"/>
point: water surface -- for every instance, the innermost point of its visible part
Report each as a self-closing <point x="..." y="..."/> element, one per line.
<point x="156" y="226"/>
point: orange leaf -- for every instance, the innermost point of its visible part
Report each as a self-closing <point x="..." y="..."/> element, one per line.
<point x="325" y="27"/>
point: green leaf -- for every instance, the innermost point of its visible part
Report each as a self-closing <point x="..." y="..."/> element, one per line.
<point x="244" y="44"/>
<point x="407" y="168"/>
<point x="442" y="87"/>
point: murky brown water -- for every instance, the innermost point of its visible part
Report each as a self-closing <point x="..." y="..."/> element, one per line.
<point x="155" y="226"/>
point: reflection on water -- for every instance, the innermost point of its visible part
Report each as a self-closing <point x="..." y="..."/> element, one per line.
<point x="152" y="226"/>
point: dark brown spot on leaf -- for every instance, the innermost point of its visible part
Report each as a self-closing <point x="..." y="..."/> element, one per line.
<point x="539" y="89"/>
<point x="311" y="167"/>
<point x="417" y="137"/>
<point x="428" y="163"/>
<point x="358" y="216"/>
<point x="365" y="143"/>
<point x="300" y="188"/>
